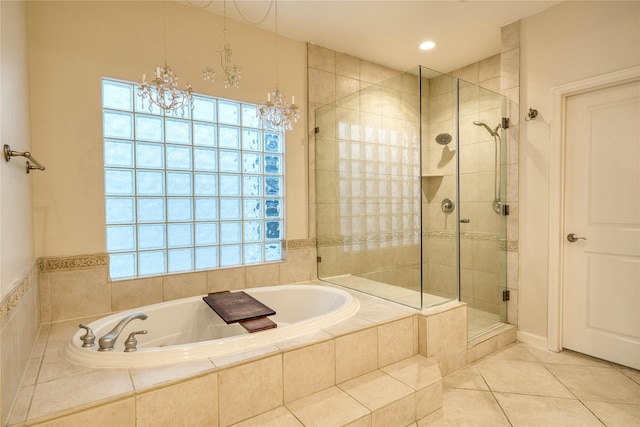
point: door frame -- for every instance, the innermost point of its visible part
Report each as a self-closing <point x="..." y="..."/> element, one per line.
<point x="559" y="95"/>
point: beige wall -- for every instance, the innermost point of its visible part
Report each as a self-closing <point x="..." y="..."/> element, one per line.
<point x="74" y="44"/>
<point x="567" y="43"/>
<point x="16" y="220"/>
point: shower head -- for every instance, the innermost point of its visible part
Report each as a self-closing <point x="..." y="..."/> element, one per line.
<point x="492" y="132"/>
<point x="443" y="138"/>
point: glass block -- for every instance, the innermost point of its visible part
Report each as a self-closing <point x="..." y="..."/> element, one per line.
<point x="150" y="183"/>
<point x="250" y="116"/>
<point x="117" y="125"/>
<point x="252" y="140"/>
<point x="228" y="112"/>
<point x="230" y="209"/>
<point x="272" y="186"/>
<point x="205" y="184"/>
<point x="119" y="211"/>
<point x="229" y="161"/>
<point x="206" y="209"/>
<point x="206" y="233"/>
<point x="118" y="153"/>
<point x="251" y="163"/>
<point x="122" y="265"/>
<point x="179" y="235"/>
<point x="178" y="157"/>
<point x="151" y="263"/>
<point x="230" y="232"/>
<point x="206" y="257"/>
<point x="273" y="252"/>
<point x="273" y="230"/>
<point x="251" y="186"/>
<point x="252" y="254"/>
<point x="180" y="260"/>
<point x="118" y="96"/>
<point x="205" y="159"/>
<point x="273" y="164"/>
<point x="178" y="131"/>
<point x="273" y="208"/>
<point x="151" y="236"/>
<point x="121" y="238"/>
<point x="149" y="128"/>
<point x="252" y="208"/>
<point x="228" y="137"/>
<point x="230" y="185"/>
<point x="253" y="231"/>
<point x="204" y="109"/>
<point x="273" y="142"/>
<point x="149" y="155"/>
<point x="204" y="134"/>
<point x="179" y="209"/>
<point x="178" y="184"/>
<point x="230" y="255"/>
<point x="118" y="182"/>
<point x="150" y="210"/>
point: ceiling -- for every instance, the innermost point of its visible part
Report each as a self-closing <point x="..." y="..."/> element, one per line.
<point x="388" y="32"/>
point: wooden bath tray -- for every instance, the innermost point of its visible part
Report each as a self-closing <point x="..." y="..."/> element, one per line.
<point x="235" y="307"/>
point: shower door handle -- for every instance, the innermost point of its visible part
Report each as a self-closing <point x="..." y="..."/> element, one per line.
<point x="573" y="238"/>
<point x="465" y="220"/>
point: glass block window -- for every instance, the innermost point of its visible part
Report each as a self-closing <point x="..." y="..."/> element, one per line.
<point x="189" y="193"/>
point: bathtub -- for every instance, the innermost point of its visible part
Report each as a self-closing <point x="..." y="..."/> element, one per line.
<point x="187" y="329"/>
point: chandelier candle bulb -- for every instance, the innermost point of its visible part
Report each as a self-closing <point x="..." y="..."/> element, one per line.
<point x="157" y="72"/>
<point x="293" y="100"/>
<point x="144" y="77"/>
<point x="268" y="96"/>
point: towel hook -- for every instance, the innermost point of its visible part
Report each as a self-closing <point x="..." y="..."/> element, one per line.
<point x="8" y="154"/>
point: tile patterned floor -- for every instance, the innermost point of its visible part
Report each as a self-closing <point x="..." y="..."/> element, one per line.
<point x="527" y="386"/>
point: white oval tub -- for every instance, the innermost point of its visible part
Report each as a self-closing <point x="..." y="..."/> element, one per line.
<point x="188" y="329"/>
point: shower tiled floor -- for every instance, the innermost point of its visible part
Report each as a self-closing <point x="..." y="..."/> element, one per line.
<point x="527" y="386"/>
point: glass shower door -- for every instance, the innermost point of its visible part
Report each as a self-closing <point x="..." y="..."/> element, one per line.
<point x="482" y="209"/>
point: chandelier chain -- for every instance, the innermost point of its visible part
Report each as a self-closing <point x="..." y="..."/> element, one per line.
<point x="257" y="22"/>
<point x="164" y="29"/>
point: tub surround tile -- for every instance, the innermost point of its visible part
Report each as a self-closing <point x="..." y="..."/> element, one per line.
<point x="545" y="411"/>
<point x="303" y="340"/>
<point x="375" y="390"/>
<point x="144" y="378"/>
<point x="356" y="354"/>
<point x="279" y="417"/>
<point x="330" y="407"/>
<point x="76" y="391"/>
<point x="417" y="372"/>
<point x="79" y="293"/>
<point x="20" y="409"/>
<point x="226" y="279"/>
<point x="184" y="285"/>
<point x="120" y="413"/>
<point x="245" y="356"/>
<point x="249" y="390"/>
<point x="397" y="340"/>
<point x="55" y="366"/>
<point x="128" y="294"/>
<point x="197" y="405"/>
<point x="308" y="370"/>
<point x="349" y="326"/>
<point x="263" y="275"/>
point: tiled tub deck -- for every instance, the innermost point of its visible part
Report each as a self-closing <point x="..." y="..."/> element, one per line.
<point x="363" y="351"/>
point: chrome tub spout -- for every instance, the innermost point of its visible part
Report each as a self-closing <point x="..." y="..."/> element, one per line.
<point x="109" y="340"/>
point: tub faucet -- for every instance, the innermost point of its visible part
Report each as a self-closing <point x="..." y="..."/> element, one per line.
<point x="109" y="340"/>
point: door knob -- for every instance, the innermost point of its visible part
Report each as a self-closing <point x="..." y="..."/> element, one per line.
<point x="573" y="238"/>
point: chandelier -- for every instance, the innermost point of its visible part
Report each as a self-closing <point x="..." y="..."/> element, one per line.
<point x="277" y="113"/>
<point x="162" y="90"/>
<point x="231" y="71"/>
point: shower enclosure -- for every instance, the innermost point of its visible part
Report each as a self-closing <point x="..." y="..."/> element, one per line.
<point x="410" y="190"/>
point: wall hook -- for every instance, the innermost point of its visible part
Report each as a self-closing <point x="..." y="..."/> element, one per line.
<point x="531" y="115"/>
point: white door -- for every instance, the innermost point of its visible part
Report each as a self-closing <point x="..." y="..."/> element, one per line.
<point x="601" y="280"/>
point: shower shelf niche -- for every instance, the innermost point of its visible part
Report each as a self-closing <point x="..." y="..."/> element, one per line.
<point x="432" y="175"/>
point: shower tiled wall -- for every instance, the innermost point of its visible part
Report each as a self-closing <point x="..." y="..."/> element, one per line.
<point x="366" y="166"/>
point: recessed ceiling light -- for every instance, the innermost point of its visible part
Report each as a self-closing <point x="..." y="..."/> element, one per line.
<point x="429" y="44"/>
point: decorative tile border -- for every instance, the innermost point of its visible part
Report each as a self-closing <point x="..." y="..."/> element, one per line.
<point x="72" y="262"/>
<point x="301" y="244"/>
<point x="24" y="283"/>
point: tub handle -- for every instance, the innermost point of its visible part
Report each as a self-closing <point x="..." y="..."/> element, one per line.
<point x="131" y="343"/>
<point x="89" y="338"/>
